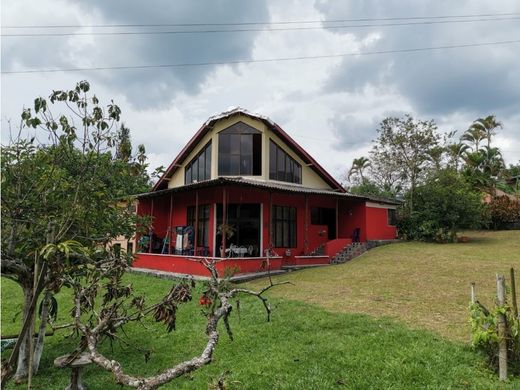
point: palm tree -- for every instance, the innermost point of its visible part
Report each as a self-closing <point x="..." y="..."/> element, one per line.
<point x="358" y="165"/>
<point x="488" y="125"/>
<point x="474" y="134"/>
<point x="456" y="151"/>
<point x="493" y="163"/>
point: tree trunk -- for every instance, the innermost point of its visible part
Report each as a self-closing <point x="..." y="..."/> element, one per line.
<point x="38" y="349"/>
<point x="22" y="368"/>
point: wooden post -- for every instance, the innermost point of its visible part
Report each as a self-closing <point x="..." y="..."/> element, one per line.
<point x="502" y="343"/>
<point x="473" y="295"/>
<point x="337" y="217"/>
<point x="306" y="243"/>
<point x="513" y="294"/>
<point x="196" y="235"/>
<point x="224" y="222"/>
<point x="150" y="231"/>
<point x="170" y="233"/>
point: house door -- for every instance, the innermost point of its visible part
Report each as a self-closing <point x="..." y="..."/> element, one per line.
<point x="244" y="223"/>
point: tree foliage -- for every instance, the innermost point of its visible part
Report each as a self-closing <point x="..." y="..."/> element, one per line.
<point x="444" y="204"/>
<point x="64" y="185"/>
<point x="405" y="146"/>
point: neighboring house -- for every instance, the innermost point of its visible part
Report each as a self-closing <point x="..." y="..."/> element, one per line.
<point x="242" y="189"/>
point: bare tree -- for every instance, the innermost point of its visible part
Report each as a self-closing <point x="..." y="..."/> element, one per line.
<point x="120" y="306"/>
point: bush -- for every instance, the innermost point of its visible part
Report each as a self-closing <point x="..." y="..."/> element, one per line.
<point x="503" y="211"/>
<point x="442" y="205"/>
<point x="485" y="338"/>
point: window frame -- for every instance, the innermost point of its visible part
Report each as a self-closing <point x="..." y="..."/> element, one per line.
<point x="202" y="223"/>
<point x="292" y="169"/>
<point x="200" y="160"/>
<point x="242" y="144"/>
<point x="284" y="218"/>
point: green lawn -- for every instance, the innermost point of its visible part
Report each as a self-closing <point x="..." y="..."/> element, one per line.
<point x="424" y="285"/>
<point x="316" y="339"/>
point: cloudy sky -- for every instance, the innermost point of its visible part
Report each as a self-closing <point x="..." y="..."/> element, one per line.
<point x="331" y="106"/>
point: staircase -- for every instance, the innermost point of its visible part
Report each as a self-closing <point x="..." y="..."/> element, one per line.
<point x="319" y="251"/>
<point x="349" y="252"/>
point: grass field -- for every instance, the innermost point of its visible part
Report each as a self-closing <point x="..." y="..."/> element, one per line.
<point x="425" y="285"/>
<point x="413" y="337"/>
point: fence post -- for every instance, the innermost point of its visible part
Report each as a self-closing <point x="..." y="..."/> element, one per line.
<point x="502" y="344"/>
<point x="473" y="295"/>
<point x="513" y="293"/>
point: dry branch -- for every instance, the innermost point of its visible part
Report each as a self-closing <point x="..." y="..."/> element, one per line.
<point x="111" y="318"/>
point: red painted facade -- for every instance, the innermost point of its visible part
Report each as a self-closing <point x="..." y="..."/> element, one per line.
<point x="169" y="209"/>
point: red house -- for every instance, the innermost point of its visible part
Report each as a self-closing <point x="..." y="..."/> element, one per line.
<point x="244" y="193"/>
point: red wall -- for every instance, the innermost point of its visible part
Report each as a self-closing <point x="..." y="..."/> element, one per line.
<point x="191" y="266"/>
<point x="377" y="225"/>
<point x="352" y="216"/>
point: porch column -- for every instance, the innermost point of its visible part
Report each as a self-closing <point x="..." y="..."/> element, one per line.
<point x="150" y="231"/>
<point x="306" y="242"/>
<point x="337" y="218"/>
<point x="270" y="221"/>
<point x="169" y="234"/>
<point x="196" y="223"/>
<point x="224" y="221"/>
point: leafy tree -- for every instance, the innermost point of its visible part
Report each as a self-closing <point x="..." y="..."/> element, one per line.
<point x="368" y="187"/>
<point x="445" y="203"/>
<point x="404" y="146"/>
<point x="65" y="191"/>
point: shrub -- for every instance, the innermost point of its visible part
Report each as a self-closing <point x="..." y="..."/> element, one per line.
<point x="441" y="206"/>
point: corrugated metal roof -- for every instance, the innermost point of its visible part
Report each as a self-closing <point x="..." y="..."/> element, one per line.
<point x="266" y="185"/>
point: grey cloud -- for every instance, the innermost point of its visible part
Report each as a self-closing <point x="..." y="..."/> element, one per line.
<point x="147" y="87"/>
<point x="481" y="79"/>
<point x="353" y="131"/>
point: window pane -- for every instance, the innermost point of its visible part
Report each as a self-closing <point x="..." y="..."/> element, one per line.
<point x="224" y="164"/>
<point x="234" y="143"/>
<point x="272" y="161"/>
<point x="298" y="174"/>
<point x="224" y="141"/>
<point x="194" y="170"/>
<point x="207" y="170"/>
<point x="257" y="154"/>
<point x="280" y="165"/>
<point x="234" y="164"/>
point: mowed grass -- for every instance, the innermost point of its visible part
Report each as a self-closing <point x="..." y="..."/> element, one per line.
<point x="311" y="343"/>
<point x="424" y="285"/>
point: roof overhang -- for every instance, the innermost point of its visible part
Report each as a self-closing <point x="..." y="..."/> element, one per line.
<point x="267" y="186"/>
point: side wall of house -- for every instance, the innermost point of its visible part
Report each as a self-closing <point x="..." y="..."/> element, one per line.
<point x="377" y="222"/>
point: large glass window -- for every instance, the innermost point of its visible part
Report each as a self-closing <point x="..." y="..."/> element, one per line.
<point x="203" y="223"/>
<point x="283" y="167"/>
<point x="240" y="151"/>
<point x="199" y="168"/>
<point x="284" y="226"/>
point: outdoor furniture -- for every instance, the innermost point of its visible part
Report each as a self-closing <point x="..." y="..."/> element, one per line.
<point x="76" y="363"/>
<point x="236" y="251"/>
